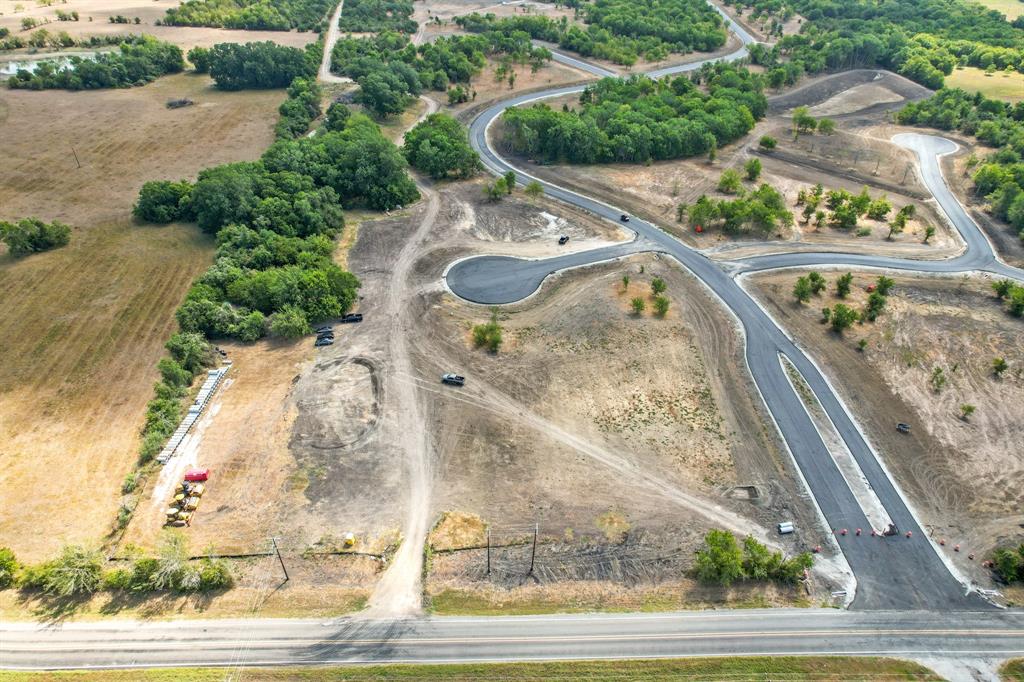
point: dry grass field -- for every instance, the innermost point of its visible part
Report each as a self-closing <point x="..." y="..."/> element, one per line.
<point x="81" y="327"/>
<point x="1000" y="85"/>
<point x="94" y="20"/>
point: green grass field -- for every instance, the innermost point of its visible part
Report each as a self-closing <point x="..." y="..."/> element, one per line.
<point x="1013" y="671"/>
<point x="732" y="669"/>
<point x="1011" y="8"/>
<point x="1000" y="85"/>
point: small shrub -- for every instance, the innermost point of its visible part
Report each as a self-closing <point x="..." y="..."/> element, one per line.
<point x="8" y="567"/>
<point x="661" y="304"/>
<point x="488" y="335"/>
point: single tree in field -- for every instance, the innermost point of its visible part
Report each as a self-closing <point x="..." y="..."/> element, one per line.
<point x="534" y="189"/>
<point x="875" y="306"/>
<point x="802" y="290"/>
<point x="510" y="181"/>
<point x="658" y="286"/>
<point x="938" y="380"/>
<point x="826" y="126"/>
<point x="803" y="122"/>
<point x="826" y="315"/>
<point x="753" y="169"/>
<point x="999" y="365"/>
<point x="661" y="304"/>
<point x="929" y="232"/>
<point x="843" y="285"/>
<point x="966" y="410"/>
<point x="638" y="304"/>
<point x="767" y="143"/>
<point x="884" y="285"/>
<point x="843" y="317"/>
<point x="818" y="283"/>
<point x="729" y="182"/>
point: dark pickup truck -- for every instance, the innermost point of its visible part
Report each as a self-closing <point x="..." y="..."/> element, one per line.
<point x="453" y="379"/>
<point x="352" y="317"/>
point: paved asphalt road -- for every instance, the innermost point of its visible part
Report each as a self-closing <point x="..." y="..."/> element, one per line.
<point x="891" y="573"/>
<point x="991" y="635"/>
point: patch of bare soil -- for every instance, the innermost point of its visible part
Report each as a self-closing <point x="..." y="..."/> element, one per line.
<point x="486" y="87"/>
<point x="962" y="475"/>
<point x="854" y="99"/>
<point x="94" y="19"/>
<point x="83" y="326"/>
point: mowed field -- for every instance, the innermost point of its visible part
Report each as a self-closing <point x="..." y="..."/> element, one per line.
<point x="82" y="327"/>
<point x="1000" y="85"/>
<point x="1011" y="8"/>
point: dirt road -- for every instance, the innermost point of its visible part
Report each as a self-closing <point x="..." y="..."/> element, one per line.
<point x="333" y="32"/>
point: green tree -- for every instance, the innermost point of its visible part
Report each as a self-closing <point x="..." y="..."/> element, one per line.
<point x="76" y="571"/>
<point x="843" y="283"/>
<point x="534" y="189"/>
<point x="31" y="235"/>
<point x="337" y="117"/>
<point x="729" y="182"/>
<point x="938" y="379"/>
<point x="818" y="283"/>
<point x="966" y="410"/>
<point x="163" y="201"/>
<point x="658" y="286"/>
<point x="8" y="567"/>
<point x="884" y="285"/>
<point x="803" y="122"/>
<point x="510" y="181"/>
<point x="999" y="365"/>
<point x="753" y="169"/>
<point x="661" y="305"/>
<point x="875" y="306"/>
<point x="625" y="281"/>
<point x="720" y="560"/>
<point x="767" y="142"/>
<point x="879" y="209"/>
<point x="1009" y="565"/>
<point x="200" y="59"/>
<point x="826" y="126"/>
<point x="843" y="317"/>
<point x="190" y="350"/>
<point x="638" y="304"/>
<point x="802" y="290"/>
<point x="1002" y="287"/>
<point x="289" y="322"/>
<point x="929" y="232"/>
<point x="439" y="146"/>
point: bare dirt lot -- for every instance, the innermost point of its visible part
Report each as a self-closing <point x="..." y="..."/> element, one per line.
<point x="963" y="475"/>
<point x="83" y="326"/>
<point x="94" y="19"/>
<point x="582" y="408"/>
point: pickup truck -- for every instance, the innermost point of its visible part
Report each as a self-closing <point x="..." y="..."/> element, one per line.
<point x="352" y="317"/>
<point x="453" y="379"/>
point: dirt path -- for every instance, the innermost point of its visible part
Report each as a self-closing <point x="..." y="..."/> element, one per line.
<point x="333" y="32"/>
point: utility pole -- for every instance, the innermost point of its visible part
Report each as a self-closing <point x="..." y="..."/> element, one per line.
<point x="488" y="552"/>
<point x="278" y="551"/>
<point x="533" y="552"/>
<point x="76" y="157"/>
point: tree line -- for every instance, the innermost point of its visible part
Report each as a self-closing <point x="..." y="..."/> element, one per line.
<point x="31" y="235"/>
<point x="252" y="15"/>
<point x="235" y="66"/>
<point x="920" y="39"/>
<point x="723" y="561"/>
<point x="620" y="31"/>
<point x="999" y="177"/>
<point x="377" y="15"/>
<point x="80" y="571"/>
<point x="138" y="61"/>
<point x="637" y="119"/>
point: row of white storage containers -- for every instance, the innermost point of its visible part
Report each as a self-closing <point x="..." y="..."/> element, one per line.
<point x="213" y="379"/>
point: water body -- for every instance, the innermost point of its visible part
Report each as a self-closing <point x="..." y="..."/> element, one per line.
<point x="32" y="63"/>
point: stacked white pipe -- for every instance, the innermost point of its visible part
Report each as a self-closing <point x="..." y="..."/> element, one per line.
<point x="213" y="379"/>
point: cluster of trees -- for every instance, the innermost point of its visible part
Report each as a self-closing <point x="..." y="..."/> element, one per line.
<point x="275" y="220"/>
<point x="1000" y="177"/>
<point x="253" y="15"/>
<point x="45" y="38"/>
<point x="254" y="65"/>
<point x="1008" y="564"/>
<point x="844" y="209"/>
<point x="1013" y="293"/>
<point x="189" y="354"/>
<point x="721" y="560"/>
<point x="638" y="119"/>
<point x="920" y="39"/>
<point x="377" y="15"/>
<point x="659" y="300"/>
<point x="139" y="60"/>
<point x="300" y="109"/>
<point x="803" y="122"/>
<point x="488" y="335"/>
<point x="391" y="71"/>
<point x="841" y="316"/>
<point x="79" y="571"/>
<point x="762" y="209"/>
<point x="31" y="235"/>
<point x="620" y="31"/>
<point x="439" y="147"/>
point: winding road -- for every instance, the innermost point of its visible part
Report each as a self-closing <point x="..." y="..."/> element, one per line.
<point x="891" y="573"/>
